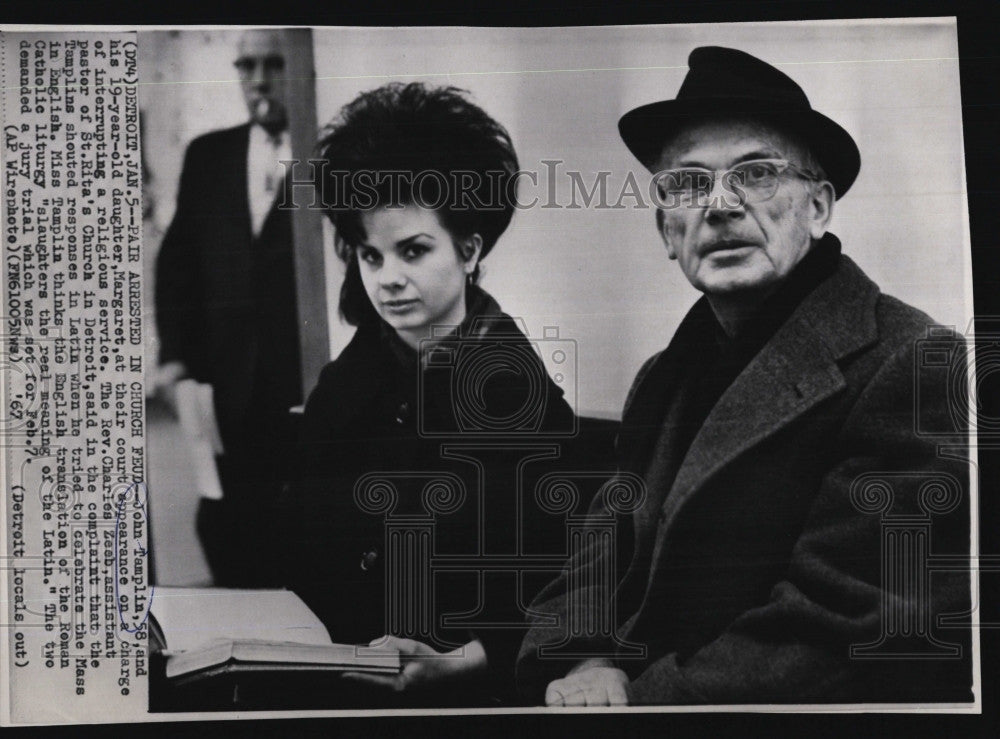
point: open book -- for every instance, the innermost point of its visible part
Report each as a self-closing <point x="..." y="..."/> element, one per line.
<point x="211" y="630"/>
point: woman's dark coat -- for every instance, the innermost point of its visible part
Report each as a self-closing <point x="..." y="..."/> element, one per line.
<point x="380" y="415"/>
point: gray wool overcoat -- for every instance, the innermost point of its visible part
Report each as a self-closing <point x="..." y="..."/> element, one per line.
<point x="780" y="549"/>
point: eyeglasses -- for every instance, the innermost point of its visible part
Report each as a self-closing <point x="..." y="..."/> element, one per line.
<point x="750" y="182"/>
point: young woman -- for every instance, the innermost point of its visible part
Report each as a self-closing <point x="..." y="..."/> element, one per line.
<point x="438" y="408"/>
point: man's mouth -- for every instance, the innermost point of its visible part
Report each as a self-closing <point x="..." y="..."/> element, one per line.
<point x="727" y="245"/>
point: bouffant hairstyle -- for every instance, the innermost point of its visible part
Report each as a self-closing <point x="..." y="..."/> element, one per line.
<point x="403" y="144"/>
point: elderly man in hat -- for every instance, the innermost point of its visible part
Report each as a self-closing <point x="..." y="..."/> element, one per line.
<point x="775" y="440"/>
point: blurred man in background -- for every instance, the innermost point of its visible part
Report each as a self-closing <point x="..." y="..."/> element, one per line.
<point x="225" y="305"/>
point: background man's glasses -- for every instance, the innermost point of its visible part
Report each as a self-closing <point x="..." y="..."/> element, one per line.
<point x="748" y="182"/>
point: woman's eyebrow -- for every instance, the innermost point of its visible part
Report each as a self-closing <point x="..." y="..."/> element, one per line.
<point x="410" y="239"/>
<point x="399" y="244"/>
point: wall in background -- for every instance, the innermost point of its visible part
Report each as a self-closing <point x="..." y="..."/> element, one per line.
<point x="602" y="276"/>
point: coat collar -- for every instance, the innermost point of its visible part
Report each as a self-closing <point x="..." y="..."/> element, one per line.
<point x="483" y="317"/>
<point x="368" y="366"/>
<point x="238" y="142"/>
<point x="796" y="369"/>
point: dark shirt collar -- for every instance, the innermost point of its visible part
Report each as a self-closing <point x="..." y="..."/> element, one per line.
<point x="708" y="367"/>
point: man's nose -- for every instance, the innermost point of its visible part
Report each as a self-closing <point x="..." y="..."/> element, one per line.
<point x="259" y="77"/>
<point x="724" y="202"/>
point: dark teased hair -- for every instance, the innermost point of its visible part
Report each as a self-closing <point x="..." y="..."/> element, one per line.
<point x="413" y="128"/>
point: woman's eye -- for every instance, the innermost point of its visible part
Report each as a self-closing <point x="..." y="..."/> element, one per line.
<point x="414" y="251"/>
<point x="369" y="256"/>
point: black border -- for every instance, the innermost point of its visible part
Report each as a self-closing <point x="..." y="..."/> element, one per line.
<point x="979" y="48"/>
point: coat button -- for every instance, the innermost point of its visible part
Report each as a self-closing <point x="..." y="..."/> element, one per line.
<point x="402" y="413"/>
<point x="368" y="560"/>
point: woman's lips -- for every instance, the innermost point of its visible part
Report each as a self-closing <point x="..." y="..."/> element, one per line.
<point x="399" y="306"/>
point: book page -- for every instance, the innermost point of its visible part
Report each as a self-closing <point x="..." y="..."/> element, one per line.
<point x="191" y="617"/>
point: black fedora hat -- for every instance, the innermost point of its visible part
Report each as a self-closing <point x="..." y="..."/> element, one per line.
<point x="727" y="82"/>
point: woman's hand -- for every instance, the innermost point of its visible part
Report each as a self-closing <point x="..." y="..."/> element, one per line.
<point x="424" y="667"/>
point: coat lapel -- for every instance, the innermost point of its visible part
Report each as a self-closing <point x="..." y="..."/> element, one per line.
<point x="796" y="370"/>
<point x="651" y="410"/>
<point x="639" y="434"/>
<point x="241" y="192"/>
<point x="231" y="227"/>
<point x="359" y="375"/>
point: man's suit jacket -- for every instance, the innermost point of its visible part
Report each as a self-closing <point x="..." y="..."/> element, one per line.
<point x="750" y="578"/>
<point x="225" y="299"/>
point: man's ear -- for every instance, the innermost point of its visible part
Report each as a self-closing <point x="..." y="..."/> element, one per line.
<point x="661" y="226"/>
<point x="472" y="247"/>
<point x="821" y="208"/>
